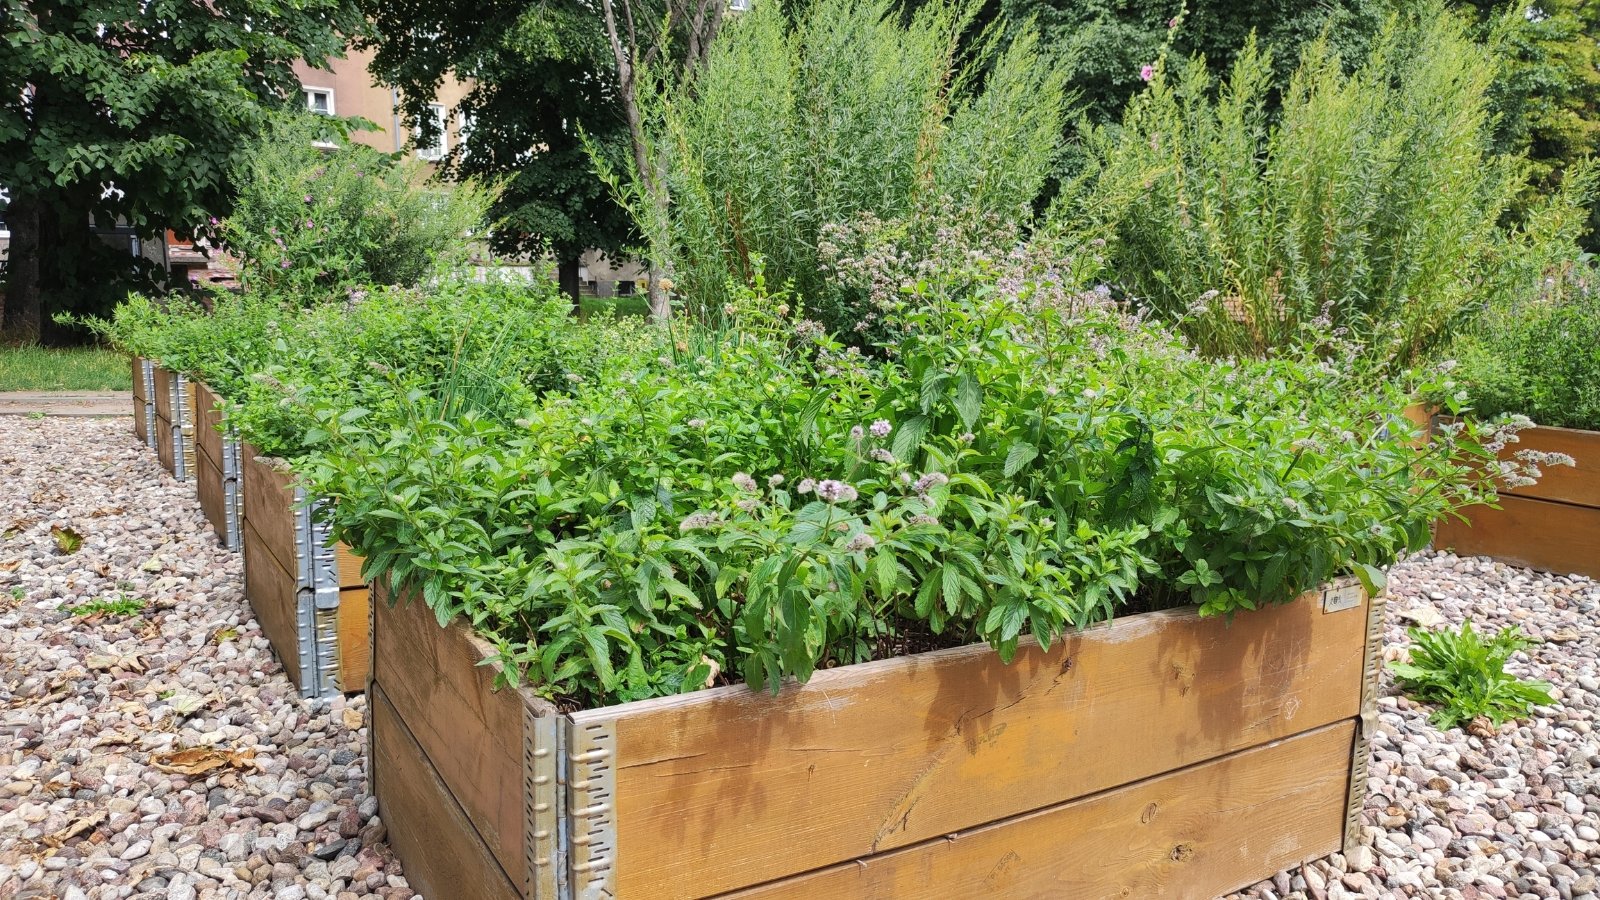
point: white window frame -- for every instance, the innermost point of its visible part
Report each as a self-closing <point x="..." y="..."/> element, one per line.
<point x="739" y="5"/>
<point x="439" y="151"/>
<point x="307" y="90"/>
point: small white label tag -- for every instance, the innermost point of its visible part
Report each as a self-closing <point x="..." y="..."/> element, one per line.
<point x="1343" y="597"/>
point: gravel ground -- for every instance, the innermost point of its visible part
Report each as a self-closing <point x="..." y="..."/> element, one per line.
<point x="98" y="798"/>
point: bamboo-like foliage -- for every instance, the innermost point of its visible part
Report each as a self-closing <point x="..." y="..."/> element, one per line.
<point x="851" y="110"/>
<point x="1371" y="210"/>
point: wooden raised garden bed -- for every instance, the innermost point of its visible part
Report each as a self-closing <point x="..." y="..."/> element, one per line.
<point x="307" y="593"/>
<point x="174" y="422"/>
<point x="216" y="468"/>
<point x="144" y="404"/>
<point x="1553" y="525"/>
<point x="1162" y="755"/>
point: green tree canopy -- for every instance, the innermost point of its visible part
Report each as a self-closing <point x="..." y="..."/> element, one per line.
<point x="539" y="72"/>
<point x="132" y="111"/>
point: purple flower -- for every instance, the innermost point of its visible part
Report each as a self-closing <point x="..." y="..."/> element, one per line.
<point x="213" y="220"/>
<point x="856" y="434"/>
<point x="805" y="486"/>
<point x="744" y="482"/>
<point x="881" y="428"/>
<point x="861" y="543"/>
<point x="930" y="481"/>
<point x="1148" y="72"/>
<point x="283" y="264"/>
<point x="882" y="455"/>
<point x="698" y="521"/>
<point x="774" y="480"/>
<point x="308" y="224"/>
<point x="831" y="491"/>
<point x="308" y="198"/>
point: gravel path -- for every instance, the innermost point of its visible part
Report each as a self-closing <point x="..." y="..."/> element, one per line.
<point x="90" y="705"/>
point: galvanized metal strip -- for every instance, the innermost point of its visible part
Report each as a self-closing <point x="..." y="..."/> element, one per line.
<point x="591" y="808"/>
<point x="306" y="642"/>
<point x="327" y="624"/>
<point x="231" y="506"/>
<point x="182" y="429"/>
<point x="147" y="370"/>
<point x="324" y="560"/>
<point x="544" y="806"/>
<point x="1366" y="723"/>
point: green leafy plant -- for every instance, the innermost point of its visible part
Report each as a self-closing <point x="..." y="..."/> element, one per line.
<point x="1539" y="357"/>
<point x="1464" y="676"/>
<point x="757" y="498"/>
<point x="121" y="606"/>
<point x="1370" y="210"/>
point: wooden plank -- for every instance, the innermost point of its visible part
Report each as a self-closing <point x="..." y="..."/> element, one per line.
<point x="730" y="787"/>
<point x="1199" y="832"/>
<point x="164" y="381"/>
<point x="349" y="566"/>
<point x="207" y="477"/>
<point x="138" y="379"/>
<point x="207" y="422"/>
<point x="355" y="639"/>
<point x="443" y="854"/>
<point x="271" y="591"/>
<point x="471" y="734"/>
<point x="1538" y="534"/>
<point x="165" y="451"/>
<point x="269" y="506"/>
<point x="1578" y="484"/>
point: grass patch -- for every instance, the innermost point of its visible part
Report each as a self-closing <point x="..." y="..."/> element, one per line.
<point x="64" y="369"/>
<point x="633" y="305"/>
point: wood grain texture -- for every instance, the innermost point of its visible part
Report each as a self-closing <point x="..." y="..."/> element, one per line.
<point x="138" y="378"/>
<point x="443" y="854"/>
<point x="710" y="786"/>
<point x="164" y="381"/>
<point x="207" y="422"/>
<point x="1538" y="534"/>
<point x="349" y="567"/>
<point x="271" y="591"/>
<point x="1578" y="484"/>
<point x="355" y="639"/>
<point x="207" y="478"/>
<point x="165" y="450"/>
<point x="269" y="506"/>
<point x="1199" y="832"/>
<point x="471" y="734"/>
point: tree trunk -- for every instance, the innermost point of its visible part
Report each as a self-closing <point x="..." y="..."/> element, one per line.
<point x="567" y="277"/>
<point x="24" y="305"/>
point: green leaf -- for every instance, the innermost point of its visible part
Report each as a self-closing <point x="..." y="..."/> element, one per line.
<point x="969" y="400"/>
<point x="1018" y="457"/>
<point x="1372" y="578"/>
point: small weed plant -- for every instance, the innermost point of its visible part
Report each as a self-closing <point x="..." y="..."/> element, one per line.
<point x="118" y="607"/>
<point x="1463" y="676"/>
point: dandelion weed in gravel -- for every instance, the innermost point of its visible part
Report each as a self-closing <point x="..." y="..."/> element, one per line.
<point x="1463" y="676"/>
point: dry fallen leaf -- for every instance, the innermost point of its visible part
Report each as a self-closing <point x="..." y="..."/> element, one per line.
<point x="1564" y="636"/>
<point x="1481" y="728"/>
<point x="200" y="760"/>
<point x="1424" y="616"/>
<point x="10" y="565"/>
<point x="104" y="511"/>
<point x="67" y="540"/>
<point x="77" y="827"/>
<point x="352" y="718"/>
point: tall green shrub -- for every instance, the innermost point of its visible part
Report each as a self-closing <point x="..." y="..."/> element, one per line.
<point x="318" y="215"/>
<point x="1372" y="208"/>
<point x="851" y="110"/>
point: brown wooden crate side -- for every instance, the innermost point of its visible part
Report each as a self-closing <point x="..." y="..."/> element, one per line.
<point x="731" y="787"/>
<point x="1578" y="484"/>
<point x="1199" y="832"/>
<point x="141" y="425"/>
<point x="165" y="452"/>
<point x="207" y="479"/>
<point x="207" y="419"/>
<point x="1539" y="534"/>
<point x="269" y="506"/>
<point x="164" y="379"/>
<point x="138" y="380"/>
<point x="471" y="734"/>
<point x="270" y="588"/>
<point x="349" y="566"/>
<point x="442" y="852"/>
<point x="355" y="639"/>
